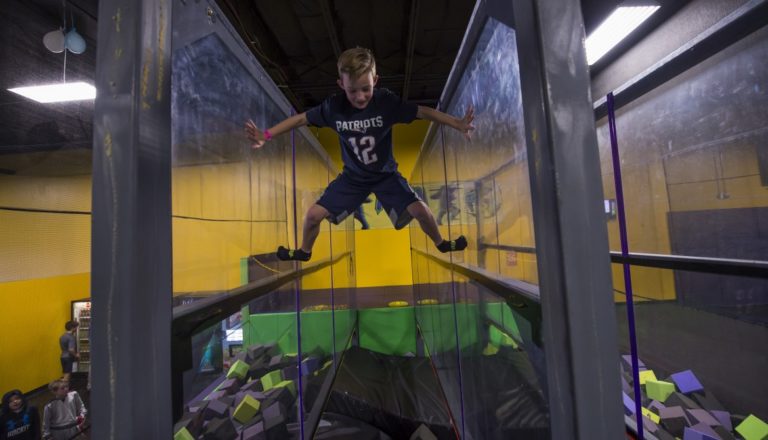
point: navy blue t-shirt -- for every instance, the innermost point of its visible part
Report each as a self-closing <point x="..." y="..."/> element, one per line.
<point x="365" y="135"/>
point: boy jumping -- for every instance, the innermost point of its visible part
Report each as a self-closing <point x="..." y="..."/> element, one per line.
<point x="363" y="118"/>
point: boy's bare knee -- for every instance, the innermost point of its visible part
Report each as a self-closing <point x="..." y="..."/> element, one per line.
<point x="419" y="211"/>
<point x="316" y="214"/>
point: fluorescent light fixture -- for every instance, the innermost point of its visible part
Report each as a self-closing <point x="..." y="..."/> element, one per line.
<point x="615" y="28"/>
<point x="74" y="91"/>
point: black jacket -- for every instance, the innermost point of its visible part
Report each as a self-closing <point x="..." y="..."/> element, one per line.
<point x="23" y="425"/>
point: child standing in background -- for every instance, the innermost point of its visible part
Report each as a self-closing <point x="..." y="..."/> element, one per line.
<point x="64" y="416"/>
<point x="18" y="420"/>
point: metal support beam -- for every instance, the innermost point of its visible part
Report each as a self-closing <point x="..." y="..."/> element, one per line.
<point x="412" y="23"/>
<point x="579" y="322"/>
<point x="131" y="284"/>
<point x="330" y="26"/>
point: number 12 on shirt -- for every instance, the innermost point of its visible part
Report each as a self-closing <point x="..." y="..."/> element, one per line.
<point x="366" y="155"/>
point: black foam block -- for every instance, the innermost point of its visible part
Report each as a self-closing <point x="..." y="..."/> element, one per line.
<point x="708" y="401"/>
<point x="215" y="409"/>
<point x="679" y="399"/>
<point x="193" y="422"/>
<point x="723" y="433"/>
<point x="197" y="406"/>
<point x="674" y="420"/>
<point x="282" y="395"/>
<point x="220" y="428"/>
<point x="230" y="386"/>
<point x="255" y="431"/>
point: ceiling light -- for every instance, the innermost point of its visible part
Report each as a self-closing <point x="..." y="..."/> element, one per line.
<point x="74" y="91"/>
<point x="615" y="28"/>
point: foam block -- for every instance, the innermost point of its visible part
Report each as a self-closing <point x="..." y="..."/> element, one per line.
<point x="291" y="372"/>
<point x="646" y="375"/>
<point x="752" y="428"/>
<point x="659" y="390"/>
<point x="247" y="408"/>
<point x="215" y="409"/>
<point x="724" y="417"/>
<point x="238" y="370"/>
<point x="673" y="419"/>
<point x="282" y="395"/>
<point x="680" y="399"/>
<point x="220" y="429"/>
<point x="309" y="365"/>
<point x="183" y="434"/>
<point x="423" y="433"/>
<point x="656" y="406"/>
<point x="724" y="433"/>
<point x="707" y="401"/>
<point x="653" y="416"/>
<point x="687" y="382"/>
<point x="197" y="406"/>
<point x="253" y="385"/>
<point x="629" y="404"/>
<point x="649" y="425"/>
<point x="216" y="395"/>
<point x="288" y="384"/>
<point x="626" y="362"/>
<point x="255" y="432"/>
<point x="270" y="379"/>
<point x="625" y="385"/>
<point x="695" y="433"/>
<point x="230" y="386"/>
<point x="702" y="416"/>
<point x="191" y="422"/>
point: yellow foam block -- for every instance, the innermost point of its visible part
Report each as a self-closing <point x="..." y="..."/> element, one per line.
<point x="645" y="375"/>
<point x="651" y="415"/>
<point x="183" y="434"/>
<point x="659" y="390"/>
<point x="247" y="408"/>
<point x="291" y="385"/>
<point x="752" y="428"/>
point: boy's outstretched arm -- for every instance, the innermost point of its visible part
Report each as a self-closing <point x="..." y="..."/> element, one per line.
<point x="464" y="124"/>
<point x="258" y="136"/>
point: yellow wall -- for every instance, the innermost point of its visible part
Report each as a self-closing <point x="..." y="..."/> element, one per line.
<point x="382" y="255"/>
<point x="35" y="313"/>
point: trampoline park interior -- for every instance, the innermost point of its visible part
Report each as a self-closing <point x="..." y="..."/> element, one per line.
<point x="616" y="214"/>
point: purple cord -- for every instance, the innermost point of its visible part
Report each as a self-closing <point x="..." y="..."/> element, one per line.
<point x="296" y="287"/>
<point x="627" y="274"/>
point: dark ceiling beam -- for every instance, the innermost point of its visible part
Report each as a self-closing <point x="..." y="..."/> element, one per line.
<point x="411" y="46"/>
<point x="330" y="27"/>
<point x="264" y="46"/>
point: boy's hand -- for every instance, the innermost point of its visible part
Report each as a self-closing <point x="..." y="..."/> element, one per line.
<point x="254" y="134"/>
<point x="465" y="124"/>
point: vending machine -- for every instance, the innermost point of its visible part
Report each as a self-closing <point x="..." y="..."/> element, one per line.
<point x="81" y="312"/>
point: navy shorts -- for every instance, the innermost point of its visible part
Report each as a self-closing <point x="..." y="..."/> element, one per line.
<point x="66" y="364"/>
<point x="346" y="193"/>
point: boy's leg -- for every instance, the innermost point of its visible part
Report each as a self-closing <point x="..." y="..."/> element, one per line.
<point x="315" y="215"/>
<point x="420" y="211"/>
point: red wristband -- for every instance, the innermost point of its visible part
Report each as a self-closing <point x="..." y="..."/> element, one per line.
<point x="267" y="135"/>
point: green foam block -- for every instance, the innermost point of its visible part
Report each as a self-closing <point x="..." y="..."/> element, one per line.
<point x="269" y="380"/>
<point x="291" y="385"/>
<point x="646" y="375"/>
<point x="238" y="370"/>
<point x="752" y="428"/>
<point x="659" y="390"/>
<point x="183" y="434"/>
<point x="247" y="408"/>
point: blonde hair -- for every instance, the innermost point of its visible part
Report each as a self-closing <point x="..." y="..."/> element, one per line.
<point x="356" y="62"/>
<point x="56" y="384"/>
